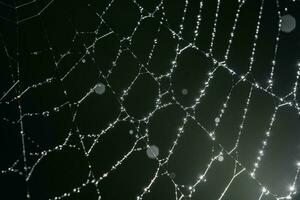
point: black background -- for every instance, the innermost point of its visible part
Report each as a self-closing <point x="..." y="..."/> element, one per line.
<point x="51" y="112"/>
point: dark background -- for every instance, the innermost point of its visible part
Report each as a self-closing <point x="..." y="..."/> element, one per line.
<point x="53" y="68"/>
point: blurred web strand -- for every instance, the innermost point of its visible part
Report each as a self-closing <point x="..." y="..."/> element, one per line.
<point x="142" y="137"/>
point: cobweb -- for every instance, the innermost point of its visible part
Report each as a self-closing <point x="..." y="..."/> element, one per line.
<point x="156" y="99"/>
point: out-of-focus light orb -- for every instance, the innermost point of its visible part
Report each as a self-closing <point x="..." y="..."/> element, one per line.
<point x="288" y="23"/>
<point x="172" y="175"/>
<point x="217" y="119"/>
<point x="184" y="91"/>
<point x="220" y="158"/>
<point x="100" y="88"/>
<point x="130" y="131"/>
<point x="152" y="151"/>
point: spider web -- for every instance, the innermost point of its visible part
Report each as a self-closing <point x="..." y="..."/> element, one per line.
<point x="204" y="88"/>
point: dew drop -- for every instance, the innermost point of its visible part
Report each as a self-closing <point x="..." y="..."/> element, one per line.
<point x="220" y="158"/>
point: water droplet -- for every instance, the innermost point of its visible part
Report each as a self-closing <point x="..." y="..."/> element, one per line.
<point x="46" y="113"/>
<point x="220" y="158"/>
